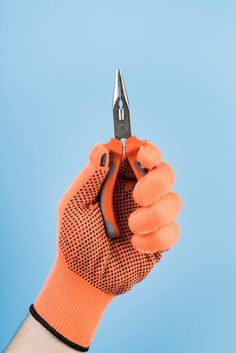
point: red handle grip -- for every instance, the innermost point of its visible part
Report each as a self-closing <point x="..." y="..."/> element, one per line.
<point x="131" y="149"/>
<point x="106" y="194"/>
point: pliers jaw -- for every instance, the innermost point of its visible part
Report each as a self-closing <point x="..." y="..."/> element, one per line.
<point x="121" y="113"/>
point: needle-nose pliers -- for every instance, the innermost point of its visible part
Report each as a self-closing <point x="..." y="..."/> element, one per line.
<point x="123" y="145"/>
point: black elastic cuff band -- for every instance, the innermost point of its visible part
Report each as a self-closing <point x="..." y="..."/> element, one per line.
<point x="37" y="317"/>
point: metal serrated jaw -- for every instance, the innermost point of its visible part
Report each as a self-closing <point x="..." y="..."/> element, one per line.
<point x="119" y="89"/>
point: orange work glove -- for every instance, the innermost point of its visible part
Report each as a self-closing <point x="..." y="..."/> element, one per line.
<point x="91" y="268"/>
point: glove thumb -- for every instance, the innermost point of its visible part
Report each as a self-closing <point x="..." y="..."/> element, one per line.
<point x="86" y="186"/>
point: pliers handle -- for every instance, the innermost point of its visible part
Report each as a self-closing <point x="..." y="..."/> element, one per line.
<point x="106" y="195"/>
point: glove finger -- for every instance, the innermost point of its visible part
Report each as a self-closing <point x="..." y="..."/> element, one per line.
<point x="149" y="156"/>
<point x="160" y="240"/>
<point x="146" y="220"/>
<point x="86" y="186"/>
<point x="154" y="185"/>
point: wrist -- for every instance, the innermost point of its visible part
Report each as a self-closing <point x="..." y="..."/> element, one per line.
<point x="70" y="307"/>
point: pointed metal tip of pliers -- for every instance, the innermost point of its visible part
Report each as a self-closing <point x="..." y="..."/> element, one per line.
<point x="120" y="90"/>
<point x="121" y="114"/>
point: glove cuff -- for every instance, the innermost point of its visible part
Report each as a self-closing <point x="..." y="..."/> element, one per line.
<point x="69" y="307"/>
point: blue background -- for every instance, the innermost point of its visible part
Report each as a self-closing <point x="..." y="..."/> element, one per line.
<point x="57" y="67"/>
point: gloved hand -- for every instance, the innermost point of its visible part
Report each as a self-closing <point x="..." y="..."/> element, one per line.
<point x="91" y="268"/>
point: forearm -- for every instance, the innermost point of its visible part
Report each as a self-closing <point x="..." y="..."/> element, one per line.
<point x="33" y="337"/>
